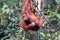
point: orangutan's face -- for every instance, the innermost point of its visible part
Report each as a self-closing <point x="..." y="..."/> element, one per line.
<point x="25" y="17"/>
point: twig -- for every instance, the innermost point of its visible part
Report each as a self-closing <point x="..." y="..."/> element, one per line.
<point x="6" y="37"/>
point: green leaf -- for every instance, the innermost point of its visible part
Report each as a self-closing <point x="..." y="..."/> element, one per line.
<point x="58" y="16"/>
<point x="58" y="1"/>
<point x="42" y="34"/>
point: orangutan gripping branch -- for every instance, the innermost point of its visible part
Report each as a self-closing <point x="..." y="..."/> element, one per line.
<point x="29" y="21"/>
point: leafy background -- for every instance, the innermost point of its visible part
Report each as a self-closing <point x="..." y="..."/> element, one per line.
<point x="10" y="16"/>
